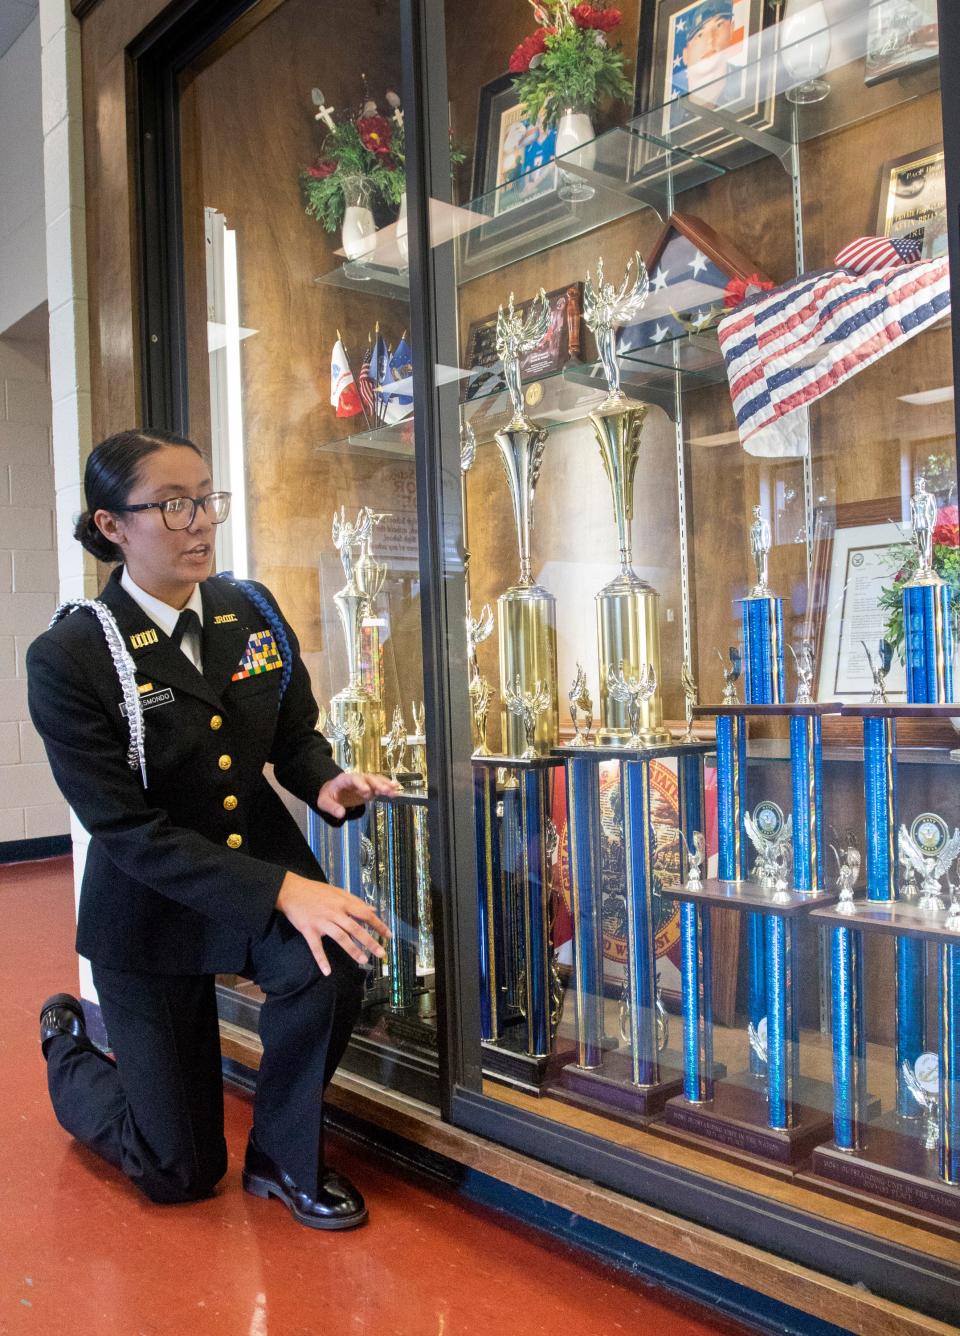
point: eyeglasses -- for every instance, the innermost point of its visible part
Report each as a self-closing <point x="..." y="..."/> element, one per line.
<point x="180" y="511"/>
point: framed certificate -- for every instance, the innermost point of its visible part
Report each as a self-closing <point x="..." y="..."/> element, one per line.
<point x="854" y="565"/>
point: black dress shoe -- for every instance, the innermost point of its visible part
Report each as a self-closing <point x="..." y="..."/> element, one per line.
<point x="62" y="1014"/>
<point x="337" y="1205"/>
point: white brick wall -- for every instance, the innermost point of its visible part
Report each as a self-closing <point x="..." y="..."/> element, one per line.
<point x="30" y="805"/>
<point x="66" y="243"/>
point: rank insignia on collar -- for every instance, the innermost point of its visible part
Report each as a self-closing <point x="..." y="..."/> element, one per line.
<point x="260" y="656"/>
<point x="143" y="638"/>
<point x="223" y="617"/>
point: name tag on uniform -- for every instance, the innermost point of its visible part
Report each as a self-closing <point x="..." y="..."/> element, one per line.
<point x="163" y="696"/>
<point x="260" y="656"/>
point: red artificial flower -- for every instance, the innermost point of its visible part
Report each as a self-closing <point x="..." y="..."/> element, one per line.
<point x="947" y="530"/>
<point x="531" y="46"/>
<point x="376" y="134"/>
<point x="739" y="289"/>
<point x="322" y="168"/>
<point x="585" y="16"/>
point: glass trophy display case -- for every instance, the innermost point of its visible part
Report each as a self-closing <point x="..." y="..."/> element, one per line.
<point x="709" y="526"/>
<point x="604" y="462"/>
<point x="299" y="385"/>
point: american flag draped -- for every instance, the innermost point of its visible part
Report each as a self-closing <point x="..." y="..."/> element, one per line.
<point x="796" y="343"/>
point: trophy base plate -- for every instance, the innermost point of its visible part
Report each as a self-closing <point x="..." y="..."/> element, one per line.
<point x="736" y="1118"/>
<point x="508" y="1061"/>
<point x="415" y="1023"/>
<point x="650" y="737"/>
<point x="894" y="1167"/>
<point x="609" y="1088"/>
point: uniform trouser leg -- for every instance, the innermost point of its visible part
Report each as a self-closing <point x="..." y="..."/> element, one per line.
<point x="305" y="1024"/>
<point x="157" y="1111"/>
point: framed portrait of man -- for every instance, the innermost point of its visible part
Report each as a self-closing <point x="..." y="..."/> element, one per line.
<point x="704" y="63"/>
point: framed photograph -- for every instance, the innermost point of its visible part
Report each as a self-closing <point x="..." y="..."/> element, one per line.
<point x="515" y="179"/>
<point x="853" y="564"/>
<point x="902" y="36"/>
<point x="561" y="344"/>
<point x="913" y="200"/>
<point x="703" y="54"/>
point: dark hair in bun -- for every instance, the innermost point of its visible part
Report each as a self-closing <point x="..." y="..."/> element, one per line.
<point x="111" y="473"/>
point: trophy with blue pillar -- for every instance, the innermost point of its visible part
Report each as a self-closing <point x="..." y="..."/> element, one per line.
<point x="782" y="1122"/>
<point x="762" y="616"/>
<point x="632" y="1077"/>
<point x="628" y="607"/>
<point x="927" y="611"/>
<point x="767" y="1110"/>
<point x="910" y="1156"/>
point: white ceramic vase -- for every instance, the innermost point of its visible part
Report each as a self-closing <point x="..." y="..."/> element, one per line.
<point x="402" y="244"/>
<point x="575" y="131"/>
<point x="357" y="231"/>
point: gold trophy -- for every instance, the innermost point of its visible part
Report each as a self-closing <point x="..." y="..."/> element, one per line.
<point x="628" y="608"/>
<point x="356" y="715"/>
<point x="527" y="612"/>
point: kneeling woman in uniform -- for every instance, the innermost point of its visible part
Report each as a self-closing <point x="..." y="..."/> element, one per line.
<point x="159" y="705"/>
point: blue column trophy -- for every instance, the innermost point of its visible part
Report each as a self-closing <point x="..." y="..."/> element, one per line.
<point x="625" y="1076"/>
<point x="634" y="1081"/>
<point x="915" y="1167"/>
<point x="762" y="629"/>
<point x="780" y="1122"/>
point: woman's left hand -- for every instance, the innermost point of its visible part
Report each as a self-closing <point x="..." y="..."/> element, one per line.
<point x="351" y="789"/>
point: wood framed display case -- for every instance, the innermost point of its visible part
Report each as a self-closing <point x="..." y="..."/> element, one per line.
<point x="539" y="931"/>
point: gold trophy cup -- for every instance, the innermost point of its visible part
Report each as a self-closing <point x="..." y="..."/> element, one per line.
<point x="628" y="608"/>
<point x="527" y="613"/>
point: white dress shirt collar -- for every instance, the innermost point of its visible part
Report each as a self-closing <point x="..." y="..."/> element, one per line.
<point x="166" y="616"/>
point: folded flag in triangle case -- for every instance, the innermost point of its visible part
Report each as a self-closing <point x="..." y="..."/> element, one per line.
<point x="260" y="656"/>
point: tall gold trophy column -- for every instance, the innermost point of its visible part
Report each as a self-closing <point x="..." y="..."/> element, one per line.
<point x="355" y="712"/>
<point x="628" y="608"/>
<point x="527" y="619"/>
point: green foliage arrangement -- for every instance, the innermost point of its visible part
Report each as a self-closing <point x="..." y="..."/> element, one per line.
<point x="568" y="63"/>
<point x="361" y="157"/>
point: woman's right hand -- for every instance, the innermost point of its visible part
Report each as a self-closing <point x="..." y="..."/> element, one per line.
<point x="317" y="910"/>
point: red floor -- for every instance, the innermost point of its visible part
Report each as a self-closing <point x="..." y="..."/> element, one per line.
<point x="82" y="1253"/>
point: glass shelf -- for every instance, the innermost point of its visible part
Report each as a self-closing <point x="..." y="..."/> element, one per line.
<point x="649" y="160"/>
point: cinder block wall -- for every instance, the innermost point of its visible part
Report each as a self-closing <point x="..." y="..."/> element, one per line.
<point x="30" y="805"/>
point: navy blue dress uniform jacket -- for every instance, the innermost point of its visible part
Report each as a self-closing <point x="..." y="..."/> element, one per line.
<point x="180" y="876"/>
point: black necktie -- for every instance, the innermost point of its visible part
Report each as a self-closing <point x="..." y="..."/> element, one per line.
<point x="187" y="621"/>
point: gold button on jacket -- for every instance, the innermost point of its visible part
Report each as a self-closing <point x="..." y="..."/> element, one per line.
<point x="234" y="841"/>
<point x="225" y="762"/>
<point x="230" y="802"/>
<point x="216" y="722"/>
